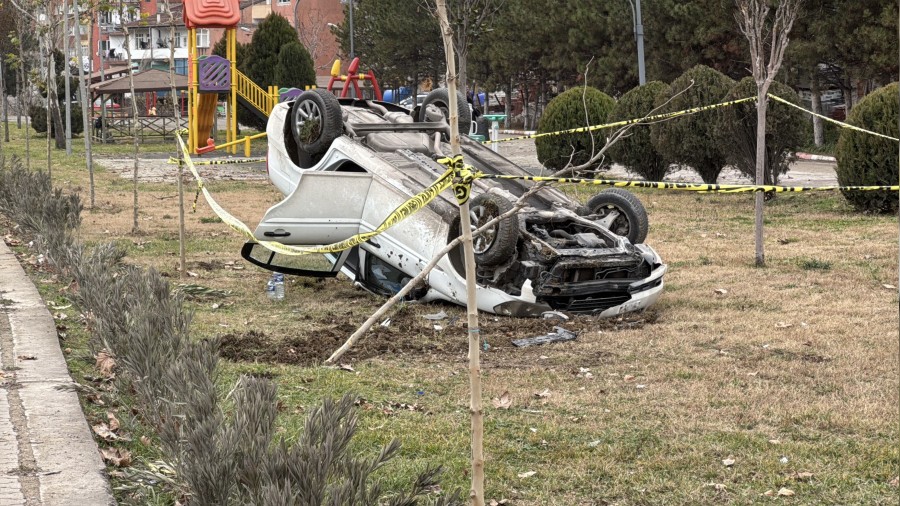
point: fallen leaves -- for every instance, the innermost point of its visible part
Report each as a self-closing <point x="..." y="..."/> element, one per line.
<point x="889" y="287"/>
<point x="542" y="394"/>
<point x="27" y="357"/>
<point x="501" y="502"/>
<point x="527" y="474"/>
<point x="113" y="421"/>
<point x="783" y="325"/>
<point x="118" y="457"/>
<point x="728" y="462"/>
<point x="721" y="292"/>
<point x="502" y="402"/>
<point x="106" y="364"/>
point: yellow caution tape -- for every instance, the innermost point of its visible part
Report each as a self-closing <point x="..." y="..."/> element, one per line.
<point x="174" y="161"/>
<point x="463" y="177"/>
<point x="655" y="117"/>
<point x="836" y="122"/>
<point x="402" y="212"/>
<point x="698" y="187"/>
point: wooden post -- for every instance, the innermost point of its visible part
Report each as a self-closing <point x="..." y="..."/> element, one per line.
<point x="476" y="493"/>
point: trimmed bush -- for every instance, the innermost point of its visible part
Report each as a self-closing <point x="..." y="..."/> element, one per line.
<point x="295" y="67"/>
<point x="578" y="107"/>
<point x="693" y="140"/>
<point x="635" y="151"/>
<point x="784" y="131"/>
<point x="38" y="116"/>
<point x="864" y="159"/>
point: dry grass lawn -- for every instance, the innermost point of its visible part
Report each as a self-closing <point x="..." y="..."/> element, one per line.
<point x="790" y="371"/>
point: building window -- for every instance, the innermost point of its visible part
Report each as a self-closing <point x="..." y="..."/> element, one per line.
<point x="142" y="40"/>
<point x="284" y="2"/>
<point x="181" y="67"/>
<point x="103" y="45"/>
<point x="203" y="37"/>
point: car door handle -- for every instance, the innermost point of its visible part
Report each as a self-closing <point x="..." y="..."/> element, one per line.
<point x="277" y="233"/>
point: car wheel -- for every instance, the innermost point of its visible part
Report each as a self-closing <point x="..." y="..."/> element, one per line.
<point x="316" y="121"/>
<point x="621" y="212"/>
<point x="498" y="243"/>
<point x="440" y="98"/>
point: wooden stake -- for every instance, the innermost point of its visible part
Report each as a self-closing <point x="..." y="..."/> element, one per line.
<point x="476" y="493"/>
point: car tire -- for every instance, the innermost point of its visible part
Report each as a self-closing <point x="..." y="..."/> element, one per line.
<point x="632" y="221"/>
<point x="318" y="106"/>
<point x="440" y="98"/>
<point x="497" y="244"/>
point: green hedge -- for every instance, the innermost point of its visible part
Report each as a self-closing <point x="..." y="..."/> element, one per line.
<point x="865" y="159"/>
<point x="574" y="108"/>
<point x="635" y="151"/>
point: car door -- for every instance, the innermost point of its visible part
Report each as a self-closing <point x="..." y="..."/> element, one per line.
<point x="324" y="208"/>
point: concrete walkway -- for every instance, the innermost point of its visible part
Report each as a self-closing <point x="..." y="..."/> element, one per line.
<point x="47" y="454"/>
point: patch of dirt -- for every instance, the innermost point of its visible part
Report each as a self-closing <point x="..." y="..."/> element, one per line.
<point x="411" y="335"/>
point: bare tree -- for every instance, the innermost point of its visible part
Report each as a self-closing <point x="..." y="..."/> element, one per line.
<point x="84" y="84"/>
<point x="134" y="116"/>
<point x="768" y="41"/>
<point x="469" y="19"/>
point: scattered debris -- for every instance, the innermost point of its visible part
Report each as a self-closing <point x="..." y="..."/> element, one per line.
<point x="717" y="486"/>
<point x="889" y="287"/>
<point x="27" y="357"/>
<point x="785" y="492"/>
<point x="435" y="316"/>
<point x="728" y="462"/>
<point x="783" y="460"/>
<point x="542" y="394"/>
<point x="346" y="367"/>
<point x="547" y="315"/>
<point x="200" y="292"/>
<point x="527" y="474"/>
<point x="386" y="322"/>
<point x="558" y="334"/>
<point x="803" y="475"/>
<point x="721" y="291"/>
<point x="783" y="325"/>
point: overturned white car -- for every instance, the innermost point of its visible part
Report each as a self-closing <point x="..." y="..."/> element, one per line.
<point x="344" y="165"/>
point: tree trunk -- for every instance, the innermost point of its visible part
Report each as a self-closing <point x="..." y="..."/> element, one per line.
<point x="760" y="171"/>
<point x="818" y="131"/>
<point x="47" y="116"/>
<point x="3" y="96"/>
<point x="53" y="101"/>
<point x="176" y="112"/>
<point x="507" y="105"/>
<point x="66" y="72"/>
<point x="134" y="114"/>
<point x="476" y="492"/>
<point x="462" y="56"/>
<point x="83" y="84"/>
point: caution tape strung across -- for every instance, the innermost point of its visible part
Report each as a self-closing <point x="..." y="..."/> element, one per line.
<point x="175" y="161"/>
<point x="686" y="112"/>
<point x="826" y="118"/>
<point x="405" y="210"/>
<point x="698" y="187"/>
<point x="655" y="117"/>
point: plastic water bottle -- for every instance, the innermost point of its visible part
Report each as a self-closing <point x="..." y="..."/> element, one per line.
<point x="275" y="286"/>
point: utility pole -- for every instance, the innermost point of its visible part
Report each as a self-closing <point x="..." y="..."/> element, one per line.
<point x="639" y="35"/>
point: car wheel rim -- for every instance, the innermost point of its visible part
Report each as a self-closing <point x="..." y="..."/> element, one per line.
<point x="480" y="215"/>
<point x="309" y="121"/>
<point x="619" y="225"/>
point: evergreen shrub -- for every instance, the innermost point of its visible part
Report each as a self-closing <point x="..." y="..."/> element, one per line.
<point x="577" y="107"/>
<point x="865" y="159"/>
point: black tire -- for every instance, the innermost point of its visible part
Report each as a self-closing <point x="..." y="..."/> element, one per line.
<point x="440" y="98"/>
<point x="632" y="221"/>
<point x="316" y="121"/>
<point x="498" y="243"/>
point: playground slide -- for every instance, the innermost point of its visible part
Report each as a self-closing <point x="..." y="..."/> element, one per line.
<point x="206" y="114"/>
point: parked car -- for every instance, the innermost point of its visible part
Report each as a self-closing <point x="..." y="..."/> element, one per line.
<point x="344" y="165"/>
